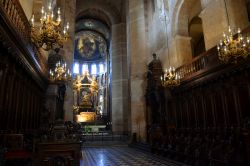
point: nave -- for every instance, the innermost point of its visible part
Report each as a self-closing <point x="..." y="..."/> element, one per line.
<point x="172" y="76"/>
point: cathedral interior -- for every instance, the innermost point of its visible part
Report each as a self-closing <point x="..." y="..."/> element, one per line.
<point x="124" y="82"/>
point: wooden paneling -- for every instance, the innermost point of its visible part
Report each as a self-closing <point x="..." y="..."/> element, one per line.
<point x="19" y="97"/>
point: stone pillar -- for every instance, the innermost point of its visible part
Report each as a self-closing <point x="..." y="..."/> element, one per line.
<point x="51" y="95"/>
<point x="119" y="79"/>
<point x="68" y="54"/>
<point x="138" y="55"/>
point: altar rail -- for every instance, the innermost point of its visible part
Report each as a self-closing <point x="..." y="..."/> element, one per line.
<point x="105" y="136"/>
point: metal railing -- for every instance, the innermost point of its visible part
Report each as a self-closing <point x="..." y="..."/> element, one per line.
<point x="195" y="65"/>
<point x="104" y="136"/>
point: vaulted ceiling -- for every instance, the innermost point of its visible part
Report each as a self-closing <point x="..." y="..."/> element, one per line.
<point x="108" y="11"/>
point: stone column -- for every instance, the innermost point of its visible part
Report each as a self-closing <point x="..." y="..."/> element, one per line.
<point x="68" y="49"/>
<point x="51" y="95"/>
<point x="138" y="55"/>
<point x="119" y="79"/>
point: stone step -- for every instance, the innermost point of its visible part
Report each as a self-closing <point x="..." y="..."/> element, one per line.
<point x="141" y="146"/>
<point x="104" y="143"/>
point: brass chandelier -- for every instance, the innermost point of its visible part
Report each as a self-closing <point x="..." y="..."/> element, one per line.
<point x="60" y="73"/>
<point x="50" y="35"/>
<point x="230" y="49"/>
<point x="170" y="78"/>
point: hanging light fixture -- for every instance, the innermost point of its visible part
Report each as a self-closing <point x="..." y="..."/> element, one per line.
<point x="230" y="49"/>
<point x="50" y="34"/>
<point x="60" y="73"/>
<point x="170" y="77"/>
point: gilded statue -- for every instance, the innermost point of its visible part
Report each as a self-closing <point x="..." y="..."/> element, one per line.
<point x="94" y="85"/>
<point x="77" y="84"/>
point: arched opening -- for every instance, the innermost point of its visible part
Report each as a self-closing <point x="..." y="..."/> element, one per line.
<point x="106" y="21"/>
<point x="92" y="70"/>
<point x="197" y="36"/>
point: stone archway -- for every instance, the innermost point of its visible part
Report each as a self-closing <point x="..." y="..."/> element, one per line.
<point x="181" y="41"/>
<point x="109" y="13"/>
<point x="197" y="36"/>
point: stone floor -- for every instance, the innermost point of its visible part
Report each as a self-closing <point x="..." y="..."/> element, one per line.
<point x="120" y="156"/>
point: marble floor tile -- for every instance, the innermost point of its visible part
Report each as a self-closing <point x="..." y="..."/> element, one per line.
<point x="120" y="156"/>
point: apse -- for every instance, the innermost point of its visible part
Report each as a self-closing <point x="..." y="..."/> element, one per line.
<point x="91" y="72"/>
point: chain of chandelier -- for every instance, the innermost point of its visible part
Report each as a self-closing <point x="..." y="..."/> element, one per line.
<point x="51" y="35"/>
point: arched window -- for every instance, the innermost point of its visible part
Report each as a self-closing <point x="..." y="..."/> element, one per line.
<point x="196" y="33"/>
<point x="93" y="69"/>
<point x="76" y="68"/>
<point x="85" y="68"/>
<point x="101" y="68"/>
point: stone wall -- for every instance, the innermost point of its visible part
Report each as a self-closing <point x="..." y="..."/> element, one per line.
<point x="138" y="54"/>
<point x="27" y="6"/>
<point x="213" y="15"/>
<point x="147" y="33"/>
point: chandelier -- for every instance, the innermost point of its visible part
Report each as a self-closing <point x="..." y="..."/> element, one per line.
<point x="230" y="49"/>
<point x="170" y="78"/>
<point x="60" y="73"/>
<point x="50" y="34"/>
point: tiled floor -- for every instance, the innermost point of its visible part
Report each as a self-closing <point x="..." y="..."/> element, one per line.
<point x="120" y="156"/>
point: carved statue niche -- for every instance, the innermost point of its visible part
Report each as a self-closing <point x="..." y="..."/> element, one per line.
<point x="154" y="92"/>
